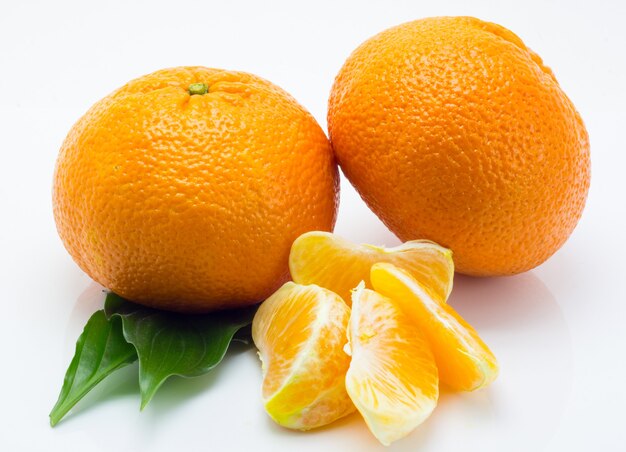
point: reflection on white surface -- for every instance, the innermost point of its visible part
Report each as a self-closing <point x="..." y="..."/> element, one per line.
<point x="517" y="316"/>
<point x="524" y="326"/>
<point x="88" y="302"/>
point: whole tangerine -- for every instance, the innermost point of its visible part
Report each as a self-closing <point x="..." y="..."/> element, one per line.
<point x="452" y="130"/>
<point x="185" y="188"/>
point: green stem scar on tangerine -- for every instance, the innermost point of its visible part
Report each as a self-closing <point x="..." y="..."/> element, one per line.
<point x="198" y="88"/>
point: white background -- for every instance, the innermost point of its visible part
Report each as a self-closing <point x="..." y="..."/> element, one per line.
<point x="559" y="330"/>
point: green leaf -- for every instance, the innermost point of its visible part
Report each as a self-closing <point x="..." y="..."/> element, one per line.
<point x="100" y="350"/>
<point x="169" y="344"/>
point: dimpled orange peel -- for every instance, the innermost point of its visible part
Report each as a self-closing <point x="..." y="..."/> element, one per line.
<point x="185" y="188"/>
<point x="453" y="130"/>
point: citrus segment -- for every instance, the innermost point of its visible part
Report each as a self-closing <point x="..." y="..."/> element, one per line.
<point x="463" y="359"/>
<point x="329" y="261"/>
<point x="300" y="333"/>
<point x="392" y="378"/>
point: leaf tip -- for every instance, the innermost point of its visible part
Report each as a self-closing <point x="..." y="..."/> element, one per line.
<point x="54" y="420"/>
<point x="145" y="399"/>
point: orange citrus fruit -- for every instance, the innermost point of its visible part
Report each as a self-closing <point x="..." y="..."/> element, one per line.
<point x="463" y="359"/>
<point x="185" y="188"/>
<point x="329" y="261"/>
<point x="392" y="378"/>
<point x="300" y="332"/>
<point x="453" y="130"/>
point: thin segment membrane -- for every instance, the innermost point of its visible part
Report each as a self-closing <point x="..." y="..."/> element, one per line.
<point x="392" y="378"/>
<point x="464" y="361"/>
<point x="329" y="261"/>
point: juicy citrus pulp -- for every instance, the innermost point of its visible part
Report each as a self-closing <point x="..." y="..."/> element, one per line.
<point x="329" y="261"/>
<point x="402" y="336"/>
<point x="463" y="359"/>
<point x="392" y="378"/>
<point x="300" y="333"/>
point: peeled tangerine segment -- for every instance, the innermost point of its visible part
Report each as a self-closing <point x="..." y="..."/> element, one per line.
<point x="300" y="333"/>
<point x="392" y="378"/>
<point x="329" y="261"/>
<point x="464" y="361"/>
